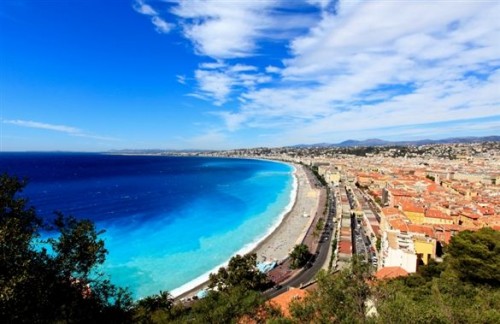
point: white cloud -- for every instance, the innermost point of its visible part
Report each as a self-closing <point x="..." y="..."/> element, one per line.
<point x="323" y="4"/>
<point x="242" y="68"/>
<point x="216" y="85"/>
<point x="161" y="25"/>
<point x="273" y="69"/>
<point x="232" y="29"/>
<point x="144" y="8"/>
<point x="73" y="131"/>
<point x="232" y="120"/>
<point x="181" y="79"/>
<point x="228" y="30"/>
<point x="361" y="67"/>
<point x="224" y="29"/>
<point x="367" y="68"/>
<point x="52" y="127"/>
<point x="212" y="65"/>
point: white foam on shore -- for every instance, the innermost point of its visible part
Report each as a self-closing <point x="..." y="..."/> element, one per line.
<point x="248" y="247"/>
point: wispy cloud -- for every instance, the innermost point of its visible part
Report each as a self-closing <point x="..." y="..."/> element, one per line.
<point x="224" y="29"/>
<point x="323" y="4"/>
<point x="161" y="26"/>
<point x="181" y="79"/>
<point x="358" y="67"/>
<point x="72" y="131"/>
<point x="52" y="127"/>
<point x="366" y="67"/>
<point x="215" y="85"/>
<point x="231" y="29"/>
<point x="143" y="8"/>
<point x="216" y="81"/>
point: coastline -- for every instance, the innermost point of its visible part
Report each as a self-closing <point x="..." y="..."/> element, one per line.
<point x="289" y="229"/>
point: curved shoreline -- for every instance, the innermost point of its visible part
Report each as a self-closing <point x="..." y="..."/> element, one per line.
<point x="280" y="239"/>
<point x="200" y="281"/>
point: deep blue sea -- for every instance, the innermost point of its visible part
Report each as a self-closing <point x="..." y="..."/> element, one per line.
<point x="168" y="220"/>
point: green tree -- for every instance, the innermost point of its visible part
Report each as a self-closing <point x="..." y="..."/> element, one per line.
<point x="320" y="225"/>
<point x="332" y="257"/>
<point x="78" y="248"/>
<point x="241" y="271"/>
<point x="226" y="306"/>
<point x="475" y="256"/>
<point x="159" y="308"/>
<point x="163" y="300"/>
<point x="38" y="286"/>
<point x="339" y="298"/>
<point x="300" y="255"/>
<point x="461" y="289"/>
<point x="417" y="299"/>
<point x="378" y="243"/>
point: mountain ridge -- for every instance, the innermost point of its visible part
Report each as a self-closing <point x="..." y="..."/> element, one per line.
<point x="380" y="142"/>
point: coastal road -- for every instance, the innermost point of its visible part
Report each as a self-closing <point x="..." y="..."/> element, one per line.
<point x="307" y="274"/>
<point x="310" y="271"/>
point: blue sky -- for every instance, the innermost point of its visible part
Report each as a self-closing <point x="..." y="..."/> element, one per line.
<point x="93" y="75"/>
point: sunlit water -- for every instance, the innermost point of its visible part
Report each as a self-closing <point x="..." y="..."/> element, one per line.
<point x="168" y="220"/>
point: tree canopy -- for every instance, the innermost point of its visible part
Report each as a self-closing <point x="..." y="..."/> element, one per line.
<point x="338" y="298"/>
<point x="461" y="289"/>
<point x="300" y="255"/>
<point x="236" y="293"/>
<point x="475" y="256"/>
<point x="60" y="285"/>
<point x="241" y="271"/>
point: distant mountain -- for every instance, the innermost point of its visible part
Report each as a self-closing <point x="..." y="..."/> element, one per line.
<point x="368" y="142"/>
<point x="379" y="142"/>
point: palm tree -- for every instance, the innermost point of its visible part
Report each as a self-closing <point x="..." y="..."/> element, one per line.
<point x="161" y="301"/>
<point x="300" y="255"/>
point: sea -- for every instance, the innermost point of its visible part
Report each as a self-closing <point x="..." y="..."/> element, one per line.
<point x="168" y="221"/>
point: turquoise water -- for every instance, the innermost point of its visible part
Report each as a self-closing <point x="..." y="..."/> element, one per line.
<point x="168" y="220"/>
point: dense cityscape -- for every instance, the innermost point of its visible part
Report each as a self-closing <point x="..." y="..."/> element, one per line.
<point x="409" y="199"/>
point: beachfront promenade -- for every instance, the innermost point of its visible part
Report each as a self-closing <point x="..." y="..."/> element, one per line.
<point x="295" y="225"/>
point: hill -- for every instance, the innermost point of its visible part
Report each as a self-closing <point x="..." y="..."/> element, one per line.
<point x="380" y="142"/>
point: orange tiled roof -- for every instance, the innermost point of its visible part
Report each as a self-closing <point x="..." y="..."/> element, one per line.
<point x="486" y="210"/>
<point x="389" y="211"/>
<point x="399" y="224"/>
<point x="400" y="192"/>
<point x="436" y="213"/>
<point x="422" y="229"/>
<point x="390" y="272"/>
<point x="283" y="301"/>
<point x="470" y="215"/>
<point x="410" y="206"/>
